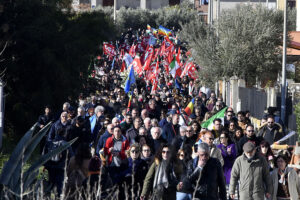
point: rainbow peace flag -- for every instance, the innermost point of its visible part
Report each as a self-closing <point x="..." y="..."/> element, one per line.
<point x="190" y="107"/>
<point x="164" y="31"/>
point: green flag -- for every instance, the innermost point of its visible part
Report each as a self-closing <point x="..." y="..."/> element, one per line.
<point x="209" y="123"/>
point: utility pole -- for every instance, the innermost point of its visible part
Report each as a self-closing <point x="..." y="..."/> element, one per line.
<point x="115" y="10"/>
<point x="1" y="112"/>
<point x="210" y="12"/>
<point x="283" y="78"/>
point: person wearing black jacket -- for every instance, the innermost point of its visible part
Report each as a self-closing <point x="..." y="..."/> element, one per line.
<point x="204" y="177"/>
<point x="78" y="130"/>
<point x="249" y="136"/>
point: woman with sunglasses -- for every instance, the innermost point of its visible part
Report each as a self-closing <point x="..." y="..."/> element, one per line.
<point x="135" y="172"/>
<point x="285" y="181"/>
<point x="229" y="154"/>
<point x="161" y="177"/>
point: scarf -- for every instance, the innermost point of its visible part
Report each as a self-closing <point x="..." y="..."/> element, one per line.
<point x="282" y="176"/>
<point x="161" y="176"/>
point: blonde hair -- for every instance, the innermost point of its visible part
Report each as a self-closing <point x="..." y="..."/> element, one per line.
<point x="136" y="146"/>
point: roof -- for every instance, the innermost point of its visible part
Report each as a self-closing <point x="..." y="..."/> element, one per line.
<point x="293" y="48"/>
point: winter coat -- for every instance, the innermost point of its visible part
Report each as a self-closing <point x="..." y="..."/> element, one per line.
<point x="228" y="159"/>
<point x="55" y="127"/>
<point x="169" y="193"/>
<point x="170" y="131"/>
<point x="271" y="136"/>
<point x="110" y="143"/>
<point x="254" y="177"/>
<point x="131" y="135"/>
<point x="211" y="185"/>
<point x="216" y="153"/>
<point x="256" y="140"/>
<point x="139" y="169"/>
<point x="293" y="183"/>
<point x="102" y="140"/>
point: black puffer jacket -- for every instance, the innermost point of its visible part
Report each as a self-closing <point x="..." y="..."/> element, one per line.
<point x="212" y="183"/>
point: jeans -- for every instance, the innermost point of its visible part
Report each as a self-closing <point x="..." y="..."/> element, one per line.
<point x="183" y="196"/>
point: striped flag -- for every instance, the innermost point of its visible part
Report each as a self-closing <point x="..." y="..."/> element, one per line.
<point x="174" y="68"/>
<point x="190" y="107"/>
<point x="209" y="123"/>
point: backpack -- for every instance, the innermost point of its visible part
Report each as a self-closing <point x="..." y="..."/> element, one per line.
<point x="54" y="145"/>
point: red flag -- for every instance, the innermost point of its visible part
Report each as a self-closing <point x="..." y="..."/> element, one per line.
<point x="137" y="66"/>
<point x="150" y="72"/>
<point x="178" y="56"/>
<point x="162" y="49"/>
<point x="189" y="70"/>
<point x="123" y="66"/>
<point x="132" y="51"/>
<point x="109" y="49"/>
<point x="147" y="63"/>
<point x="155" y="76"/>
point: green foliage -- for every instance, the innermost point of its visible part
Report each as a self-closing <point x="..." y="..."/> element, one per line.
<point x="297" y="113"/>
<point x="244" y="42"/>
<point x="12" y="176"/>
<point x="138" y="18"/>
<point x="11" y="172"/>
<point x="48" y="56"/>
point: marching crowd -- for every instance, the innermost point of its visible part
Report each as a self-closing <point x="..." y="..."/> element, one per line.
<point x="146" y="145"/>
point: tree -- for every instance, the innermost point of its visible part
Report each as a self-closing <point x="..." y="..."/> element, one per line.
<point x="48" y="56"/>
<point x="244" y="42"/>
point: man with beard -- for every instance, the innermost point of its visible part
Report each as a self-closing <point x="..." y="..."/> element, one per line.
<point x="271" y="132"/>
<point x="249" y="136"/>
<point x="252" y="171"/>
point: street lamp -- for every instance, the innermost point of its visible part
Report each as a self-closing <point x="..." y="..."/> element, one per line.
<point x="283" y="78"/>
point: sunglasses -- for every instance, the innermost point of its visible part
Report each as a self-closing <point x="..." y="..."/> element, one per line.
<point x="133" y="151"/>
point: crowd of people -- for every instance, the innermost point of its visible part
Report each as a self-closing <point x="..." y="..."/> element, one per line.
<point x="143" y="145"/>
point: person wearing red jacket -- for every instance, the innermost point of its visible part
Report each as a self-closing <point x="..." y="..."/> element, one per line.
<point x="115" y="147"/>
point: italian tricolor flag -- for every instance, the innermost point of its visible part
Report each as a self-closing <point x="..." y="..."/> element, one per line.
<point x="209" y="123"/>
<point x="174" y="68"/>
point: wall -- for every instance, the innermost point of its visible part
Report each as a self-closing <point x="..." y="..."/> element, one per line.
<point x="253" y="100"/>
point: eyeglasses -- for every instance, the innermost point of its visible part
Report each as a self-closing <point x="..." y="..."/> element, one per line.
<point x="133" y="151"/>
<point x="251" y="131"/>
<point x="270" y="122"/>
<point x="203" y="155"/>
<point x="165" y="152"/>
<point x="189" y="131"/>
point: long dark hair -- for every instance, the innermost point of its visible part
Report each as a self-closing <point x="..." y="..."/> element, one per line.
<point x="266" y="144"/>
<point x="158" y="155"/>
<point x="226" y="133"/>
